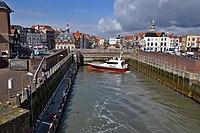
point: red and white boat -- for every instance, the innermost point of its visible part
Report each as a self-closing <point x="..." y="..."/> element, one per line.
<point x="114" y="65"/>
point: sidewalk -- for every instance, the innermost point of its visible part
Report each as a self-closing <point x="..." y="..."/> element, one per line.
<point x="6" y="74"/>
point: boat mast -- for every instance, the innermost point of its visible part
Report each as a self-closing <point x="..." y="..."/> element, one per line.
<point x="120" y="55"/>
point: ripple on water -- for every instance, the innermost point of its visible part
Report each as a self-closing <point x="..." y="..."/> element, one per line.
<point x="127" y="103"/>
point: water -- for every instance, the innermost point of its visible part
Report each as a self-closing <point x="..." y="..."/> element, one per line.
<point x="104" y="102"/>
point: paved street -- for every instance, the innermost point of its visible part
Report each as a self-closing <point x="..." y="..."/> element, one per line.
<point x="6" y="74"/>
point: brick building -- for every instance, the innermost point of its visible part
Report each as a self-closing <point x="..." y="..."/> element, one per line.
<point x="5" y="48"/>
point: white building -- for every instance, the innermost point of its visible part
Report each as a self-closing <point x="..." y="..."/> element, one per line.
<point x="114" y="40"/>
<point x="159" y="42"/>
<point x="101" y="41"/>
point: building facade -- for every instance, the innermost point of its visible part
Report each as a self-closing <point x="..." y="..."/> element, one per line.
<point x="47" y="35"/>
<point x="65" y="41"/>
<point x="33" y="37"/>
<point x="5" y="48"/>
<point x="192" y="43"/>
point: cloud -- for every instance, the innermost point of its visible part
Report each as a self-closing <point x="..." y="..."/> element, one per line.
<point x="136" y="15"/>
<point x="108" y="25"/>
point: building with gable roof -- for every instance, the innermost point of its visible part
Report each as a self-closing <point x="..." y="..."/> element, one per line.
<point x="46" y="34"/>
<point x="153" y="41"/>
<point x="65" y="40"/>
<point x="5" y="47"/>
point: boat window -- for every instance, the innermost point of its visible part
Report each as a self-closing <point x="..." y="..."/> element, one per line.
<point x="122" y="63"/>
<point x="112" y="63"/>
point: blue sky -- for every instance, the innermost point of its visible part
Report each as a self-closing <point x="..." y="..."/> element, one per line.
<point x="110" y="17"/>
<point x="57" y="13"/>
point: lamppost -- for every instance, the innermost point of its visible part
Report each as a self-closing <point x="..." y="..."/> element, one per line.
<point x="58" y="59"/>
<point x="29" y="97"/>
<point x="22" y="83"/>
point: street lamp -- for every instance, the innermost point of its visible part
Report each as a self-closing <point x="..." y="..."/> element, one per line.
<point x="22" y="83"/>
<point x="58" y="60"/>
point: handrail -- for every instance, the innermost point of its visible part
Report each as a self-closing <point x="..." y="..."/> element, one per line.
<point x="37" y="71"/>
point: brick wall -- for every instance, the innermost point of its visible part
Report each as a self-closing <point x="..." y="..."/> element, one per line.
<point x="4" y="31"/>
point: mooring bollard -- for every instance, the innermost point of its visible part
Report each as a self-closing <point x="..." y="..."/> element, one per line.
<point x="18" y="100"/>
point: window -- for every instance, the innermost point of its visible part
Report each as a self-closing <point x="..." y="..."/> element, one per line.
<point x="156" y="44"/>
<point x="148" y="39"/>
<point x="193" y="39"/>
<point x="151" y="44"/>
<point x="161" y="44"/>
<point x="4" y="53"/>
<point x="165" y="44"/>
<point x="111" y="62"/>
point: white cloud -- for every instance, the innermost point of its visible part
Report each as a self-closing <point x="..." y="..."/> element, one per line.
<point x="108" y="25"/>
<point x="177" y="16"/>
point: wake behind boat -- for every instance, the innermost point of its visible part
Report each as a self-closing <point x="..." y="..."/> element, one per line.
<point x="115" y="65"/>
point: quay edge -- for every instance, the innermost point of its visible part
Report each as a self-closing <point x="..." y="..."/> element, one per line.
<point x="177" y="78"/>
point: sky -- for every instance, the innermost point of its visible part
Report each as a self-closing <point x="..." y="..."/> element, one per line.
<point x="105" y="18"/>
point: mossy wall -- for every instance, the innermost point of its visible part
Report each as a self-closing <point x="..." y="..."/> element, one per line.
<point x="14" y="119"/>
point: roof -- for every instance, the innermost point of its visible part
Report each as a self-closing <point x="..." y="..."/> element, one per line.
<point x="141" y="34"/>
<point x="57" y="31"/>
<point x="128" y="37"/>
<point x="171" y="36"/>
<point x="158" y="34"/>
<point x="151" y="34"/>
<point x="66" y="36"/>
<point x="41" y="28"/>
<point x="180" y="40"/>
<point x="87" y="36"/>
<point x="5" y="7"/>
<point x="77" y="35"/>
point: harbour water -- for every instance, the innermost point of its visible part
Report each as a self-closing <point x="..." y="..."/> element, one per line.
<point x="103" y="102"/>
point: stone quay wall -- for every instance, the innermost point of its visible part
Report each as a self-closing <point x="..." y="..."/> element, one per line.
<point x="45" y="88"/>
<point x="179" y="73"/>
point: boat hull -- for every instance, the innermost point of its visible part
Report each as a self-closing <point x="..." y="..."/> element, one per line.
<point x="102" y="68"/>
